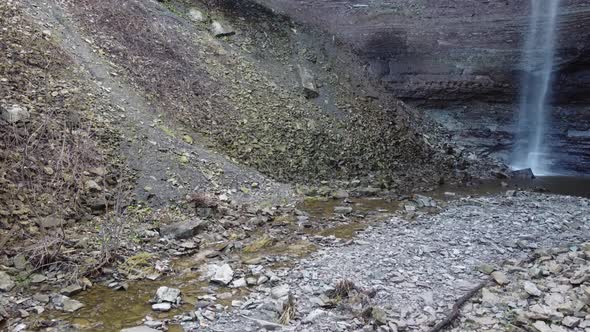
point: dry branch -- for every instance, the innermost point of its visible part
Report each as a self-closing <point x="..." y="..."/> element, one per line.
<point x="457" y="306"/>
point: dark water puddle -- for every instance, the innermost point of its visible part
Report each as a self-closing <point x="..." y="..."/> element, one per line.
<point x="563" y="185"/>
<point x="559" y="185"/>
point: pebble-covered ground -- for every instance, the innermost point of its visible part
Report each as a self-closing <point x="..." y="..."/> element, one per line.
<point x="419" y="268"/>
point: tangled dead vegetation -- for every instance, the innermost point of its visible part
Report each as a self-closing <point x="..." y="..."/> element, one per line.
<point x="59" y="163"/>
<point x="289" y="311"/>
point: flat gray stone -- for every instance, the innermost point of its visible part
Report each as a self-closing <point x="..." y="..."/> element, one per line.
<point x="500" y="278"/>
<point x="239" y="283"/>
<point x="71" y="290"/>
<point x="571" y="322"/>
<point x="6" y="283"/>
<point x="20" y="262"/>
<point x="280" y="292"/>
<point x="343" y="209"/>
<point x="340" y="194"/>
<point x="313" y="316"/>
<point x="162" y="306"/>
<point x="37" y="278"/>
<point x="50" y="222"/>
<point x="182" y="229"/>
<point x="531" y="289"/>
<point x="541" y="326"/>
<point x="66" y="304"/>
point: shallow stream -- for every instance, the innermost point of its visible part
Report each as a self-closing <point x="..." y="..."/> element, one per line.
<point x="109" y="310"/>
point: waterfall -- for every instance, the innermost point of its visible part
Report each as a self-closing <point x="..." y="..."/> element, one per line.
<point x="531" y="150"/>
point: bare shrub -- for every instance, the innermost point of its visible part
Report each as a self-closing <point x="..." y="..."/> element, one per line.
<point x="111" y="229"/>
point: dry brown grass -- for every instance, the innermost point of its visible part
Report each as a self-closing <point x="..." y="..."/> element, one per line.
<point x="343" y="289"/>
<point x="289" y="310"/>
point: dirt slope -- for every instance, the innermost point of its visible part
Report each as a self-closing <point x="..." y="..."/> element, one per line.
<point x="242" y="93"/>
<point x="166" y="156"/>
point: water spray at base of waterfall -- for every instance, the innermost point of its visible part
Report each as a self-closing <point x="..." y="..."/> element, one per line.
<point x="533" y="117"/>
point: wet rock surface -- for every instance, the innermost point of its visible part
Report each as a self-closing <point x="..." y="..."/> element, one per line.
<point x="415" y="270"/>
<point x="489" y="129"/>
<point x="549" y="292"/>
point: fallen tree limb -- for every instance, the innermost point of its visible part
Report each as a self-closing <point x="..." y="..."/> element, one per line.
<point x="457" y="306"/>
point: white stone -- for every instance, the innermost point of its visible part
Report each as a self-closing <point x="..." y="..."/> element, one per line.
<point x="222" y="274"/>
<point x="239" y="283"/>
<point x="570" y="321"/>
<point x="14" y="114"/>
<point x="91" y="185"/>
<point x="500" y="278"/>
<point x="489" y="297"/>
<point x="313" y="316"/>
<point x="162" y="306"/>
<point x="541" y="326"/>
<point x="166" y="294"/>
<point x="139" y="329"/>
<point x="196" y="15"/>
<point x="263" y="279"/>
<point x="219" y="30"/>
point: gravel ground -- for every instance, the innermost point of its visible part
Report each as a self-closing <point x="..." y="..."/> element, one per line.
<point x="421" y="266"/>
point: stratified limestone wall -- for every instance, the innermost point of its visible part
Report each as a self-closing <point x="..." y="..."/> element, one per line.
<point x="450" y="50"/>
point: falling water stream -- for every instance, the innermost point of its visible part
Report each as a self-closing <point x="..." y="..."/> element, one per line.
<point x="538" y="58"/>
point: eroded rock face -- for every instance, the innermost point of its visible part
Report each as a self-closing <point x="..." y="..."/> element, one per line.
<point x="450" y="50"/>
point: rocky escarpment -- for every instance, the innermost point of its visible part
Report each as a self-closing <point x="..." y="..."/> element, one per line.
<point x="268" y="92"/>
<point x="450" y="50"/>
<point x="460" y="61"/>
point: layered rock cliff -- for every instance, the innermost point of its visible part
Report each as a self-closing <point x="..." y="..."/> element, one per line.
<point x="461" y="62"/>
<point x="446" y="50"/>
